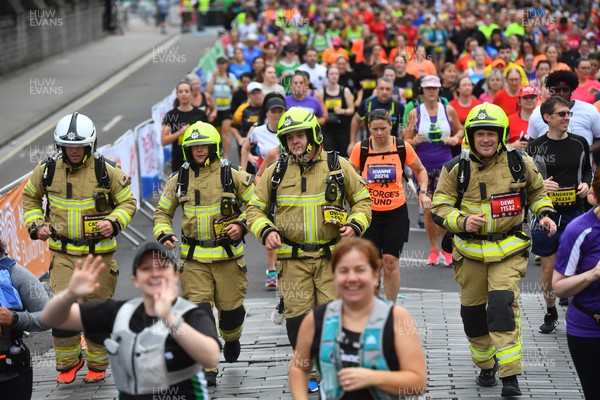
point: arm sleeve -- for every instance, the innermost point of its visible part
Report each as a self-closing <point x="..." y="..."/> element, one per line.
<point x="355" y="156"/>
<point x="362" y="109"/>
<point x="237" y="115"/>
<point x="165" y="210"/>
<point x="33" y="214"/>
<point x="587" y="174"/>
<point x="569" y="250"/>
<point x="202" y="322"/>
<point x="444" y="199"/>
<point x="99" y="317"/>
<point x="243" y="190"/>
<point x="533" y="128"/>
<point x="318" y="108"/>
<point x="258" y="206"/>
<point x="596" y="125"/>
<point x="537" y="196"/>
<point x="34" y="298"/>
<point x="125" y="201"/>
<point x="358" y="197"/>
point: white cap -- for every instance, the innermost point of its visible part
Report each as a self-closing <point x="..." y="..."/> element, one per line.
<point x="252" y="86"/>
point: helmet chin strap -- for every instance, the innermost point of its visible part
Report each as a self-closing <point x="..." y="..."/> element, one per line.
<point x="309" y="148"/>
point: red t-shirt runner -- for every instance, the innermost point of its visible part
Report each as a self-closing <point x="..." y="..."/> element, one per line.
<point x="518" y="127"/>
<point x="506" y="102"/>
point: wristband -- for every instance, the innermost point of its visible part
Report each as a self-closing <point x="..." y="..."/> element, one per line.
<point x="423" y="192"/>
<point x="175" y="328"/>
<point x="33" y="230"/>
<point x="544" y="214"/>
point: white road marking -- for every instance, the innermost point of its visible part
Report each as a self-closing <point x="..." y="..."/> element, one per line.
<point x="409" y="289"/>
<point x="112" y="123"/>
<point x="8" y="151"/>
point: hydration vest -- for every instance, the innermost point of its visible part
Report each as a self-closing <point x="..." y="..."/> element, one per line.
<point x="370" y="352"/>
<point x="400" y="150"/>
<point x="437" y="131"/>
<point x="138" y="360"/>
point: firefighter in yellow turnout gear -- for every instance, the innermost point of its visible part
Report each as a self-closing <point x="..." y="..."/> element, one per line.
<point x="212" y="196"/>
<point x="89" y="203"/>
<point x="490" y="248"/>
<point x="305" y="215"/>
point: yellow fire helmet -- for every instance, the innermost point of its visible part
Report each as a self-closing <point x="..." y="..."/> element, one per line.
<point x="489" y="117"/>
<point x="201" y="133"/>
<point x="299" y="119"/>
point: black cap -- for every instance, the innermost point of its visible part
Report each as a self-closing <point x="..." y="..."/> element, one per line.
<point x="275" y="102"/>
<point x="222" y="59"/>
<point x="156" y="249"/>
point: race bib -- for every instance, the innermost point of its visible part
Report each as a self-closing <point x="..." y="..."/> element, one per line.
<point x="566" y="196"/>
<point x="222" y="101"/>
<point x="334" y="215"/>
<point x="90" y="226"/>
<point x="219" y="226"/>
<point x="381" y="173"/>
<point x="330" y="103"/>
<point x="369" y="84"/>
<point x="505" y="205"/>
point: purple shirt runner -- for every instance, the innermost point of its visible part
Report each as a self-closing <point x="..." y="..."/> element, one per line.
<point x="308" y="102"/>
<point x="433" y="155"/>
<point x="578" y="252"/>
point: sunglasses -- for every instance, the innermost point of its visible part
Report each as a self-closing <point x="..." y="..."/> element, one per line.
<point x="563" y="114"/>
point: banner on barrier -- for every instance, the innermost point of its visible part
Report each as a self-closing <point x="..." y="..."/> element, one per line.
<point x="150" y="153"/>
<point x="126" y="155"/>
<point x="158" y="114"/>
<point x="209" y="61"/>
<point x="33" y="255"/>
<point x="123" y="151"/>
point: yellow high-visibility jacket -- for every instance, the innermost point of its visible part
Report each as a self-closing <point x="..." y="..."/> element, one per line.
<point x="74" y="215"/>
<point x="493" y="178"/>
<point x="299" y="216"/>
<point x="202" y="210"/>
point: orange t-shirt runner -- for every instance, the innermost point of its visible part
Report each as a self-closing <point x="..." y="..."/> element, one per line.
<point x="383" y="172"/>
